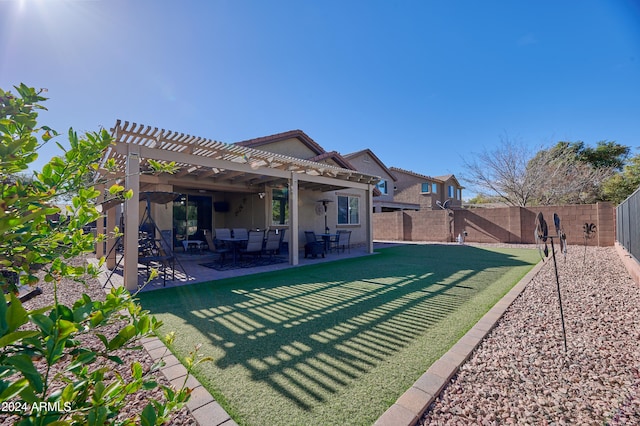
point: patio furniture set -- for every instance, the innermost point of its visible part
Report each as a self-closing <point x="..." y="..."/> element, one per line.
<point x="320" y="244"/>
<point x="239" y="242"/>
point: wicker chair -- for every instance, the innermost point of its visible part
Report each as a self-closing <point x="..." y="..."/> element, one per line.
<point x="313" y="247"/>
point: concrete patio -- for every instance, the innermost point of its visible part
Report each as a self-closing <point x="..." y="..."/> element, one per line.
<point x="189" y="268"/>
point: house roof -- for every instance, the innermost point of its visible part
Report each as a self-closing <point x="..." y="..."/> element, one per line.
<point x="321" y="154"/>
<point x="418" y="175"/>
<point x="375" y="158"/>
<point x="445" y="178"/>
<point x="335" y="156"/>
<point x="213" y="162"/>
<point x="299" y="134"/>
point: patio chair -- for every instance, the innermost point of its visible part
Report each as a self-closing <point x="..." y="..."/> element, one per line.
<point x="254" y="244"/>
<point x="241" y="233"/>
<point x="220" y="252"/>
<point x="342" y="240"/>
<point x="313" y="247"/>
<point x="272" y="243"/>
<point x="221" y="233"/>
<point x="163" y="257"/>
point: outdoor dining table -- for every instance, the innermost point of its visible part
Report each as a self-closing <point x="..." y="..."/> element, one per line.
<point x="234" y="242"/>
<point x="326" y="237"/>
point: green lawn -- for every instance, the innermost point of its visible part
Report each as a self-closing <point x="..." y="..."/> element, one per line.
<point x="334" y="343"/>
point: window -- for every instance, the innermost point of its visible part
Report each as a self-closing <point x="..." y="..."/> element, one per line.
<point x="426" y="187"/>
<point x="348" y="210"/>
<point x="382" y="186"/>
<point x="434" y="188"/>
<point x="452" y="192"/>
<point x="280" y="206"/>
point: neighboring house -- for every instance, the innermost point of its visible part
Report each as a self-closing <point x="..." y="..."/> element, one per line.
<point x="282" y="181"/>
<point x="428" y="192"/>
<point x="384" y="199"/>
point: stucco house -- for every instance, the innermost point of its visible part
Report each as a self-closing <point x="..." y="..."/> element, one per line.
<point x="428" y="192"/>
<point x="384" y="199"/>
<point x="282" y="181"/>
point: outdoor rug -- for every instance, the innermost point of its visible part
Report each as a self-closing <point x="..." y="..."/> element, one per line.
<point x="245" y="263"/>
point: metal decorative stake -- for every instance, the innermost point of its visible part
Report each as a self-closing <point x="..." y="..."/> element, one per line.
<point x="542" y="234"/>
<point x="589" y="230"/>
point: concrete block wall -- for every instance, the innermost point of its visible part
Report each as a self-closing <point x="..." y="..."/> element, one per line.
<point x="388" y="226"/>
<point x="428" y="225"/>
<point x="574" y="217"/>
<point x="506" y="225"/>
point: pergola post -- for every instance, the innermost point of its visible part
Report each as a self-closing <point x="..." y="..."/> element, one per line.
<point x="294" y="242"/>
<point x="132" y="216"/>
<point x="369" y="195"/>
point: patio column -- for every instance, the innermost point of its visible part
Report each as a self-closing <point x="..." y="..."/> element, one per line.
<point x="294" y="239"/>
<point x="132" y="216"/>
<point x="369" y="193"/>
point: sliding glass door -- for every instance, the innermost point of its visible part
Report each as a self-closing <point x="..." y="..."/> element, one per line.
<point x="192" y="214"/>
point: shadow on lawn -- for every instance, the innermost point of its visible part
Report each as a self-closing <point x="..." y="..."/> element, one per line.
<point x="308" y="332"/>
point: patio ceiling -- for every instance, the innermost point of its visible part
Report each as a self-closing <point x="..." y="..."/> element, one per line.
<point x="206" y="163"/>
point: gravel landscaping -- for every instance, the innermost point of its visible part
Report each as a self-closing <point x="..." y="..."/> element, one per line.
<point x="521" y="374"/>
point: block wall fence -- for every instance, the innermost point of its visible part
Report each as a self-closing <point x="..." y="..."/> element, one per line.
<point x="497" y="225"/>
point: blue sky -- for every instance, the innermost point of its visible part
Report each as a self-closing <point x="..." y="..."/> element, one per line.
<point x="423" y="84"/>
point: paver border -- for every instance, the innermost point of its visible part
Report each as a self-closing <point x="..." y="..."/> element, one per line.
<point x="411" y="405"/>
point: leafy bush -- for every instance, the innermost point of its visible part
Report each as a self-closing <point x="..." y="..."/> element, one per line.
<point x="48" y="372"/>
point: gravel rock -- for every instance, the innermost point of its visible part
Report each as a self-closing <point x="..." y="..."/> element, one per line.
<point x="521" y="374"/>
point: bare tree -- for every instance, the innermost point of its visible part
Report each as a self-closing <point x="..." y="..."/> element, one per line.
<point x="503" y="172"/>
<point x="517" y="176"/>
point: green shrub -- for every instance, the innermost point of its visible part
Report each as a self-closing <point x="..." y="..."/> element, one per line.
<point x="48" y="372"/>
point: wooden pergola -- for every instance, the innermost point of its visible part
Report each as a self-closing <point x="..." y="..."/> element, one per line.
<point x="209" y="164"/>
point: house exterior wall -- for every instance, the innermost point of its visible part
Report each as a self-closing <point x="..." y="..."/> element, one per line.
<point x="456" y="200"/>
<point x="248" y="210"/>
<point x="363" y="163"/>
<point x="311" y="221"/>
<point x="409" y="190"/>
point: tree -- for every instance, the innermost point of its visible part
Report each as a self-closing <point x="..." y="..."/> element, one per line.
<point x="606" y="154"/>
<point x="566" y="173"/>
<point x="35" y="344"/>
<point x="503" y="173"/>
<point x="617" y="188"/>
<point x="565" y="177"/>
